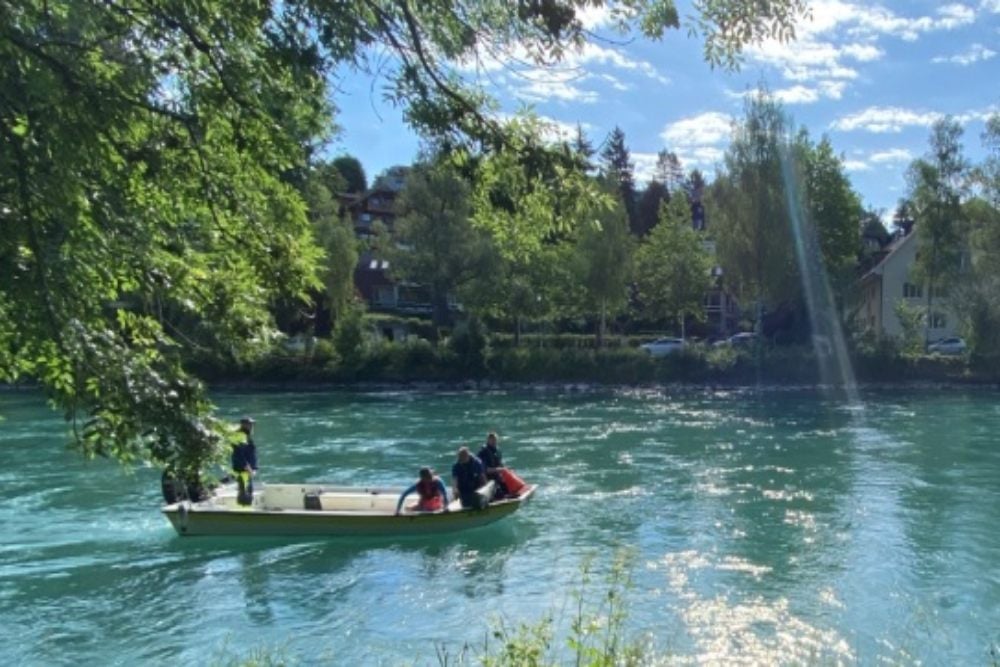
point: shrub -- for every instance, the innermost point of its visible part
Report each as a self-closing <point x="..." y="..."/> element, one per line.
<point x="471" y="347"/>
<point x="597" y="634"/>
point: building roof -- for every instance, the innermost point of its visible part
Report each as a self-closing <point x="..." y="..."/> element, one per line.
<point x="893" y="248"/>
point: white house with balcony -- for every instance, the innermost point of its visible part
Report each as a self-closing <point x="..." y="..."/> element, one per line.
<point x="891" y="281"/>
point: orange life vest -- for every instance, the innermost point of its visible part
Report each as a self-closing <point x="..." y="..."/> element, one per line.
<point x="430" y="496"/>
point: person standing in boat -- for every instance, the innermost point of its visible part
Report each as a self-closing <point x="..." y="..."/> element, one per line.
<point x="244" y="462"/>
<point x="467" y="475"/>
<point x="432" y="492"/>
<point x="492" y="459"/>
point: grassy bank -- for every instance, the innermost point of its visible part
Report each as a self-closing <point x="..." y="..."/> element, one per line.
<point x="621" y="363"/>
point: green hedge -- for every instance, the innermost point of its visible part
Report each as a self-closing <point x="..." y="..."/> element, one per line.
<point x="458" y="359"/>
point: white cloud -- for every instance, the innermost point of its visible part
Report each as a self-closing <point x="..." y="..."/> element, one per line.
<point x="892" y="155"/>
<point x="594" y="53"/>
<point x="554" y="89"/>
<point x="797" y="95"/>
<point x="884" y="119"/>
<point x="645" y="165"/>
<point x="856" y="165"/>
<point x="699" y="141"/>
<point x="992" y="6"/>
<point x="843" y="35"/>
<point x="873" y="21"/>
<point x="975" y="53"/>
<point x="711" y="127"/>
<point x="593" y="18"/>
<point x="571" y="80"/>
<point x="981" y="115"/>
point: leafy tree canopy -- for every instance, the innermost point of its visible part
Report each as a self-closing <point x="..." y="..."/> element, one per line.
<point x="352" y="172"/>
<point x="151" y="161"/>
<point x="673" y="266"/>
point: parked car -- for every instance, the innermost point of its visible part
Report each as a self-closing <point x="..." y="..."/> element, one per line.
<point x="953" y="345"/>
<point x="664" y="346"/>
<point x="742" y="339"/>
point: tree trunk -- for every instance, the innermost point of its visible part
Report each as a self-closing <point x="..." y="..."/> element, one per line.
<point x="440" y="315"/>
<point x="601" y="324"/>
<point x="928" y="321"/>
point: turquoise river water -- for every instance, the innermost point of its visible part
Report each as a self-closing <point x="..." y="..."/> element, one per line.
<point x="767" y="527"/>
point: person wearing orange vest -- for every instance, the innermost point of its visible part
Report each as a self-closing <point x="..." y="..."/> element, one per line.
<point x="432" y="491"/>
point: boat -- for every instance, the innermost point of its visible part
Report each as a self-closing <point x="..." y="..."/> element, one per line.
<point x="325" y="510"/>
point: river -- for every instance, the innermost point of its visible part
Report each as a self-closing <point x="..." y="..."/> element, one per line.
<point x="766" y="527"/>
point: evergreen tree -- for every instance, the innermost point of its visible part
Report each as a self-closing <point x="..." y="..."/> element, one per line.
<point x="617" y="168"/>
<point x="648" y="209"/>
<point x="584" y="149"/>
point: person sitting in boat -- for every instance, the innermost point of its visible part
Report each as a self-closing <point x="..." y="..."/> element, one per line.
<point x="467" y="476"/>
<point x="244" y="462"/>
<point x="432" y="492"/>
<point x="492" y="459"/>
<point x="507" y="483"/>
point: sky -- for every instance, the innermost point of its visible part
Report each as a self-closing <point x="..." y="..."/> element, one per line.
<point x="871" y="76"/>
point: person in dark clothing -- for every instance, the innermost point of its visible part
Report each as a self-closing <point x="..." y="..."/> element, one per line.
<point x="432" y="492"/>
<point x="467" y="475"/>
<point x="492" y="460"/>
<point x="244" y="462"/>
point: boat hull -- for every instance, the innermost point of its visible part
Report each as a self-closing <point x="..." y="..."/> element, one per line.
<point x="208" y="519"/>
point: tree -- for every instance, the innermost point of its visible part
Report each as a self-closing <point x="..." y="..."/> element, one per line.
<point x="751" y="222"/>
<point x="149" y="163"/>
<point x="872" y="226"/>
<point x="584" y="149"/>
<point x="352" y="172"/>
<point x="334" y="234"/>
<point x="648" y="209"/>
<point x="527" y="194"/>
<point x="669" y="171"/>
<point x="936" y="186"/>
<point x="673" y="267"/>
<point x="523" y="290"/>
<point x="603" y="264"/>
<point x="617" y="168"/>
<point x="976" y="298"/>
<point x="434" y="242"/>
<point x="834" y="210"/>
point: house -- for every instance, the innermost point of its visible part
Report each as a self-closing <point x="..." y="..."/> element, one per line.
<point x="889" y="281"/>
<point x="373" y="279"/>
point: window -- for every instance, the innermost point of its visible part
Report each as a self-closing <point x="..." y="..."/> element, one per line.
<point x="938" y="321"/>
<point x="911" y="291"/>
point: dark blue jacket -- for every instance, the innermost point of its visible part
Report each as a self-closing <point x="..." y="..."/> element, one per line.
<point x="468" y="476"/>
<point x="491" y="457"/>
<point x="244" y="454"/>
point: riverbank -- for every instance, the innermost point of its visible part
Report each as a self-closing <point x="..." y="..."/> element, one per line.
<point x="419" y="364"/>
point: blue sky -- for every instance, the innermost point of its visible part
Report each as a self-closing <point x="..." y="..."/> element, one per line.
<point x="873" y="77"/>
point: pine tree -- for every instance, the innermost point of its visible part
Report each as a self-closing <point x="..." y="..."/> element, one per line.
<point x="619" y="169"/>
